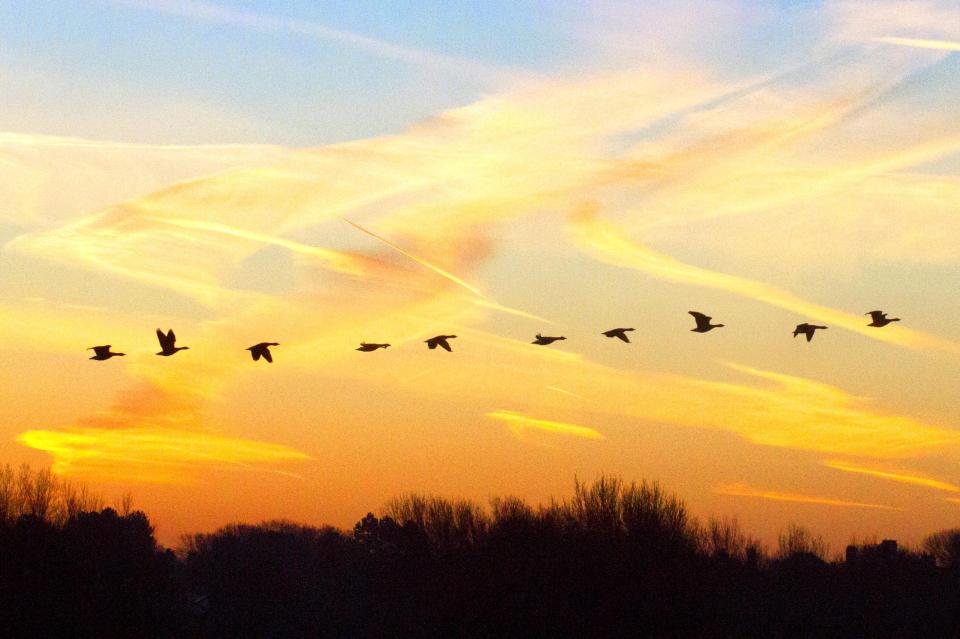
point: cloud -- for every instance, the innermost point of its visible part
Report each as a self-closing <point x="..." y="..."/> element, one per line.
<point x="341" y="262"/>
<point x="153" y="455"/>
<point x="940" y="45"/>
<point x="740" y="489"/>
<point x="48" y="180"/>
<point x="209" y="12"/>
<point x="605" y="242"/>
<point x="916" y="480"/>
<point x="519" y="424"/>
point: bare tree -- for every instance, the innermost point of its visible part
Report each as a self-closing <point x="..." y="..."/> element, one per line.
<point x="797" y="540"/>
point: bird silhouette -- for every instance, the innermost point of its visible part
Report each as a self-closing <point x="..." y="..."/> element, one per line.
<point x="103" y="352"/>
<point x="262" y="350"/>
<point x="168" y="343"/>
<point x="441" y="341"/>
<point x="880" y="319"/>
<point x="806" y="329"/>
<point x="703" y="323"/>
<point x="543" y="340"/>
<point x="619" y="333"/>
<point x="366" y="348"/>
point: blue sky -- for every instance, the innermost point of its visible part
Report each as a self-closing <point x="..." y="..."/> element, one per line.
<point x="70" y="63"/>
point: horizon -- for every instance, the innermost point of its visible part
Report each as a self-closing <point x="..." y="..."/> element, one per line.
<point x="321" y="176"/>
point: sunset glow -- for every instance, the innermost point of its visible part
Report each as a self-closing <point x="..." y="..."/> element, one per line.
<point x="321" y="179"/>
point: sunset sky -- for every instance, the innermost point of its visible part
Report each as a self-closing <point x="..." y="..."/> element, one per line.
<point x="320" y="174"/>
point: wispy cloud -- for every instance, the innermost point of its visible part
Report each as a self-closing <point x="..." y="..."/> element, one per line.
<point x="338" y="261"/>
<point x="607" y="243"/>
<point x="743" y="490"/>
<point x="519" y="423"/>
<point x="153" y="455"/>
<point x="210" y="12"/>
<point x="917" y="480"/>
<point x="940" y="45"/>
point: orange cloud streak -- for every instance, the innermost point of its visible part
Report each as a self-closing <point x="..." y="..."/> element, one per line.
<point x="900" y="477"/>
<point x="519" y="423"/>
<point x="152" y="455"/>
<point x="740" y="489"/>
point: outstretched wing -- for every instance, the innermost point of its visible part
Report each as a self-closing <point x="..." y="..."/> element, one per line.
<point x="876" y="315"/>
<point x="431" y="344"/>
<point x="255" y="353"/>
<point x="623" y="336"/>
<point x="267" y="356"/>
<point x="162" y="338"/>
<point x="100" y="350"/>
<point x="445" y="346"/>
<point x="171" y="337"/>
<point x="702" y="320"/>
<point x="810" y="333"/>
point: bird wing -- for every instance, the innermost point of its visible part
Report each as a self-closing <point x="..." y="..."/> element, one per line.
<point x="171" y="337"/>
<point x="609" y="333"/>
<point x="267" y="356"/>
<point x="810" y="335"/>
<point x="431" y="344"/>
<point x="445" y="346"/>
<point x="101" y="350"/>
<point x="162" y="338"/>
<point x="623" y="336"/>
<point x="876" y="315"/>
<point x="702" y="320"/>
<point x="255" y="353"/>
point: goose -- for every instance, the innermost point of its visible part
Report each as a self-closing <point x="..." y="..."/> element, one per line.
<point x="544" y="340"/>
<point x="366" y="348"/>
<point x="880" y="319"/>
<point x="168" y="343"/>
<point x="441" y="341"/>
<point x="703" y="323"/>
<point x="807" y="329"/>
<point x="262" y="350"/>
<point x="103" y="352"/>
<point x="619" y="333"/>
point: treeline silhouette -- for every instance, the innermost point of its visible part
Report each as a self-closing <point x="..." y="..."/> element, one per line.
<point x="613" y="560"/>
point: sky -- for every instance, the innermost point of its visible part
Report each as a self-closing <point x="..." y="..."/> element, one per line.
<point x="321" y="174"/>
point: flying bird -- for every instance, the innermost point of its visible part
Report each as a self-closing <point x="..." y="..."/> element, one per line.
<point x="880" y="319"/>
<point x="366" y="348"/>
<point x="703" y="323"/>
<point x="619" y="333"/>
<point x="103" y="352"/>
<point x="441" y="341"/>
<point x="543" y="340"/>
<point x="262" y="350"/>
<point x="168" y="343"/>
<point x="806" y="329"/>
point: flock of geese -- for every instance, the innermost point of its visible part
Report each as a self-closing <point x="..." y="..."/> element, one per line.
<point x="168" y="341"/>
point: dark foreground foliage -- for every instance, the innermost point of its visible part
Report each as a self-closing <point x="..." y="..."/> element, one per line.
<point x="615" y="560"/>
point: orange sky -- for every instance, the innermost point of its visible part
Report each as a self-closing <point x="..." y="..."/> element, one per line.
<point x="566" y="204"/>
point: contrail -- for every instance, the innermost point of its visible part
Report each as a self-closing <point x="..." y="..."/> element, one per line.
<point x="340" y="262"/>
<point x="419" y="260"/>
<point x="484" y="301"/>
